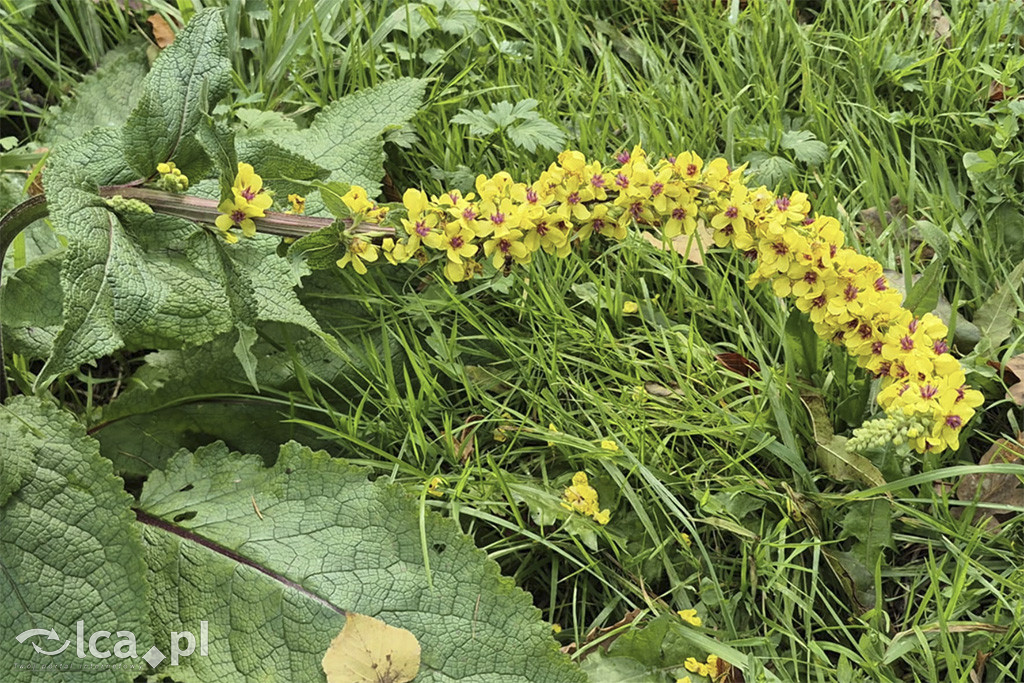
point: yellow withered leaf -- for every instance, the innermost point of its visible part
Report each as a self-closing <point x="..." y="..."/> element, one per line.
<point x="369" y="651"/>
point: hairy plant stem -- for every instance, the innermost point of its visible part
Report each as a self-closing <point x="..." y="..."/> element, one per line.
<point x="194" y="209"/>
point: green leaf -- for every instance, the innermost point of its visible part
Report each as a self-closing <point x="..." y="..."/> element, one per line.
<point x="536" y="133"/>
<point x="273" y="557"/>
<point x="154" y="280"/>
<point x="71" y="547"/>
<point x="219" y="144"/>
<point x="322" y="249"/>
<point x="104" y="98"/>
<point x="995" y="317"/>
<point x="480" y="124"/>
<point x="345" y="138"/>
<point x="770" y="170"/>
<point x="924" y="294"/>
<point x="869" y="524"/>
<point x="192" y="72"/>
<point x="30" y="308"/>
<point x="806" y="146"/>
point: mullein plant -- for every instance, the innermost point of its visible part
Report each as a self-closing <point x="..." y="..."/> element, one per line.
<point x="799" y="253"/>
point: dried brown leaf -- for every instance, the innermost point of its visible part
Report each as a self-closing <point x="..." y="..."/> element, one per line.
<point x="737" y="363"/>
<point x="692" y="247"/>
<point x="995" y="489"/>
<point x="163" y="34"/>
<point x="938" y="23"/>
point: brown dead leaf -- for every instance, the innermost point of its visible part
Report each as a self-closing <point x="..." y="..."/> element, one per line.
<point x="1015" y="367"/>
<point x="464" y="444"/>
<point x="938" y="23"/>
<point x="996" y="92"/>
<point x="995" y="489"/>
<point x="978" y="671"/>
<point x="690" y="246"/>
<point x="738" y="364"/>
<point x="163" y="34"/>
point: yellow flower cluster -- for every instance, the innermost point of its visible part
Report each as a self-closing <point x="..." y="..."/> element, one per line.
<point x="800" y="253"/>
<point x="581" y="497"/>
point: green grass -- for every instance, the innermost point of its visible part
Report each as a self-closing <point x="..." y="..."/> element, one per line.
<point x="774" y="569"/>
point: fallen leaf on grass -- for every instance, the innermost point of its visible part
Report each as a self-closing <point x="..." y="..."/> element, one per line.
<point x="1015" y="367"/>
<point x="939" y="24"/>
<point x="464" y="444"/>
<point x="996" y="92"/>
<point x="738" y="364"/>
<point x="662" y="391"/>
<point x="163" y="34"/>
<point x="369" y="651"/>
<point x="690" y="246"/>
<point x="995" y="489"/>
<point x="831" y="453"/>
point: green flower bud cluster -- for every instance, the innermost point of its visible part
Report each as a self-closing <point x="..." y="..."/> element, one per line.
<point x="129" y="206"/>
<point x="896" y="428"/>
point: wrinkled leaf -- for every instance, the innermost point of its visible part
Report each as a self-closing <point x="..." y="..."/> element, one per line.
<point x="275" y="586"/>
<point x="71" y="547"/>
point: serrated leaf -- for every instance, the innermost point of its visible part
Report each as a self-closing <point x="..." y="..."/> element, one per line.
<point x="770" y="170"/>
<point x="536" y="133"/>
<point x="480" y="124"/>
<point x="192" y="72"/>
<point x="345" y="137"/>
<point x="273" y="558"/>
<point x="503" y="114"/>
<point x="104" y="98"/>
<point x="71" y="547"/>
<point x="806" y="146"/>
<point x="30" y="308"/>
<point x="153" y="280"/>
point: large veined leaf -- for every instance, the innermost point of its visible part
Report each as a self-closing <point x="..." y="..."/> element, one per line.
<point x="70" y="548"/>
<point x="273" y="559"/>
<point x="345" y="138"/>
<point x="192" y="73"/>
<point x="143" y="280"/>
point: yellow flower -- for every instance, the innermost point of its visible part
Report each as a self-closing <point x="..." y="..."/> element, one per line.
<point x="581" y="497"/>
<point x="434" y="486"/>
<point x="248" y="188"/>
<point x="690" y="616"/>
<point x="171" y="177"/>
<point x="237" y="214"/>
<point x="684" y="679"/>
<point x="610" y="445"/>
<point x="359" y="250"/>
<point x="693" y="665"/>
<point x="298" y="204"/>
<point x="555" y="628"/>
<point x="508" y="248"/>
<point x="456" y="242"/>
<point x="630" y="307"/>
<point x="357" y="201"/>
